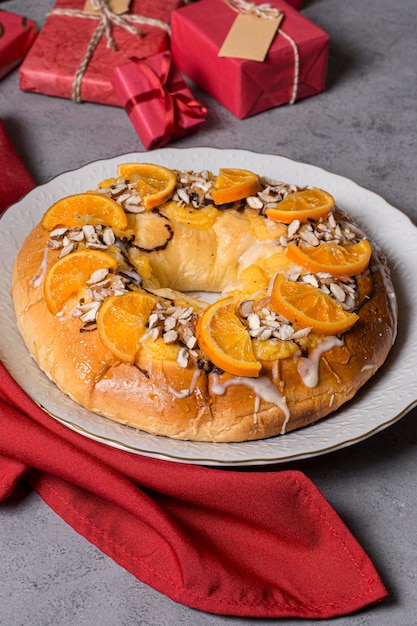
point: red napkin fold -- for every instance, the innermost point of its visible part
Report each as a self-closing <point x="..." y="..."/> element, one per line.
<point x="243" y="543"/>
<point x="15" y="180"/>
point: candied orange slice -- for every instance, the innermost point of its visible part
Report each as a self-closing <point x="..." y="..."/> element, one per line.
<point x="234" y="184"/>
<point x="155" y="183"/>
<point x="85" y="208"/>
<point x="330" y="257"/>
<point x="68" y="276"/>
<point x="121" y="323"/>
<point x="225" y="340"/>
<point x="204" y="218"/>
<point x="305" y="205"/>
<point x="307" y="306"/>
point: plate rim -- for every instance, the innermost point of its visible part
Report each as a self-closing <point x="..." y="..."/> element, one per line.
<point x="208" y="149"/>
<point x="211" y="460"/>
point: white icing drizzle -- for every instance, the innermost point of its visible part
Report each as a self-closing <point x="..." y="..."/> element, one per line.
<point x="261" y="248"/>
<point x="257" y="404"/>
<point x="41" y="272"/>
<point x="368" y="366"/>
<point x="386" y="278"/>
<point x="263" y="387"/>
<point x="276" y="381"/>
<point x="308" y="368"/>
<point x="271" y="284"/>
<point x="275" y="370"/>
<point x="284" y="425"/>
<point x="184" y="393"/>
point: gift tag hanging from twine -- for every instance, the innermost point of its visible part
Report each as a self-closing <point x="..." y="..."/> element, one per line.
<point x="252" y="31"/>
<point x="252" y="34"/>
<point x="116" y="6"/>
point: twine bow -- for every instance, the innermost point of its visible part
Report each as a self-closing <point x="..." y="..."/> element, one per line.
<point x="265" y="11"/>
<point x="107" y="19"/>
<point x="175" y="100"/>
<point x="251" y="8"/>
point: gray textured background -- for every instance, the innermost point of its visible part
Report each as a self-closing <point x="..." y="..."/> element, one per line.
<point x="362" y="127"/>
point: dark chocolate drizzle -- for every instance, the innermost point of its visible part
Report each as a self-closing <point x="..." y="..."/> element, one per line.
<point x="162" y="246"/>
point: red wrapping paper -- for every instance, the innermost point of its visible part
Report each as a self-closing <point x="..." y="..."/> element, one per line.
<point x="61" y="46"/>
<point x="157" y="100"/>
<point x="15" y="180"/>
<point x="17" y="34"/>
<point x="241" y="86"/>
<point x="296" y="4"/>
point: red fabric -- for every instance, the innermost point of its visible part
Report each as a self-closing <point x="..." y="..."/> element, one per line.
<point x="157" y="100"/>
<point x="244" y="543"/>
<point x="15" y="180"/>
<point x="247" y="543"/>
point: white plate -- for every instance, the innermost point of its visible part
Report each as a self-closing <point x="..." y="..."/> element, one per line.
<point x="384" y="400"/>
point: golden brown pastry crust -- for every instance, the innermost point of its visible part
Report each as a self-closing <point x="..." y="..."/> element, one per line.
<point x="186" y="403"/>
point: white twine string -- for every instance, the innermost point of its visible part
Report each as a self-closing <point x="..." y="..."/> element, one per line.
<point x="296" y="65"/>
<point x="107" y="19"/>
<point x="268" y="12"/>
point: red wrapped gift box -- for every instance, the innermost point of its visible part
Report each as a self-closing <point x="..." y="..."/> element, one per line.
<point x="296" y="4"/>
<point x="61" y="47"/>
<point x="157" y="100"/>
<point x="294" y="68"/>
<point x="17" y="34"/>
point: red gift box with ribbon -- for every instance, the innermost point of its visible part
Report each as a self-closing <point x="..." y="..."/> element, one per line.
<point x="76" y="51"/>
<point x="17" y="34"/>
<point x="157" y="100"/>
<point x="295" y="66"/>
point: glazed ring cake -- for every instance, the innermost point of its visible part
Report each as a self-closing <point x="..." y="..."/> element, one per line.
<point x="204" y="306"/>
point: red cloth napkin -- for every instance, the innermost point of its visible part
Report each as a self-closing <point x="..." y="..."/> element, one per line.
<point x="246" y="543"/>
<point x="15" y="180"/>
<point x="243" y="543"/>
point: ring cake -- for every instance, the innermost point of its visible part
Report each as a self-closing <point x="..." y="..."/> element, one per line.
<point x="207" y="307"/>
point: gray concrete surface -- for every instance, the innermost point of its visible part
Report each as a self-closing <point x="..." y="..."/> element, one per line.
<point x="362" y="127"/>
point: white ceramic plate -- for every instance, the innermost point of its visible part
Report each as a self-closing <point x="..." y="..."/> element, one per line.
<point x="384" y="400"/>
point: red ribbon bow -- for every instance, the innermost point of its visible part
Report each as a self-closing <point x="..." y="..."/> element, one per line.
<point x="175" y="100"/>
